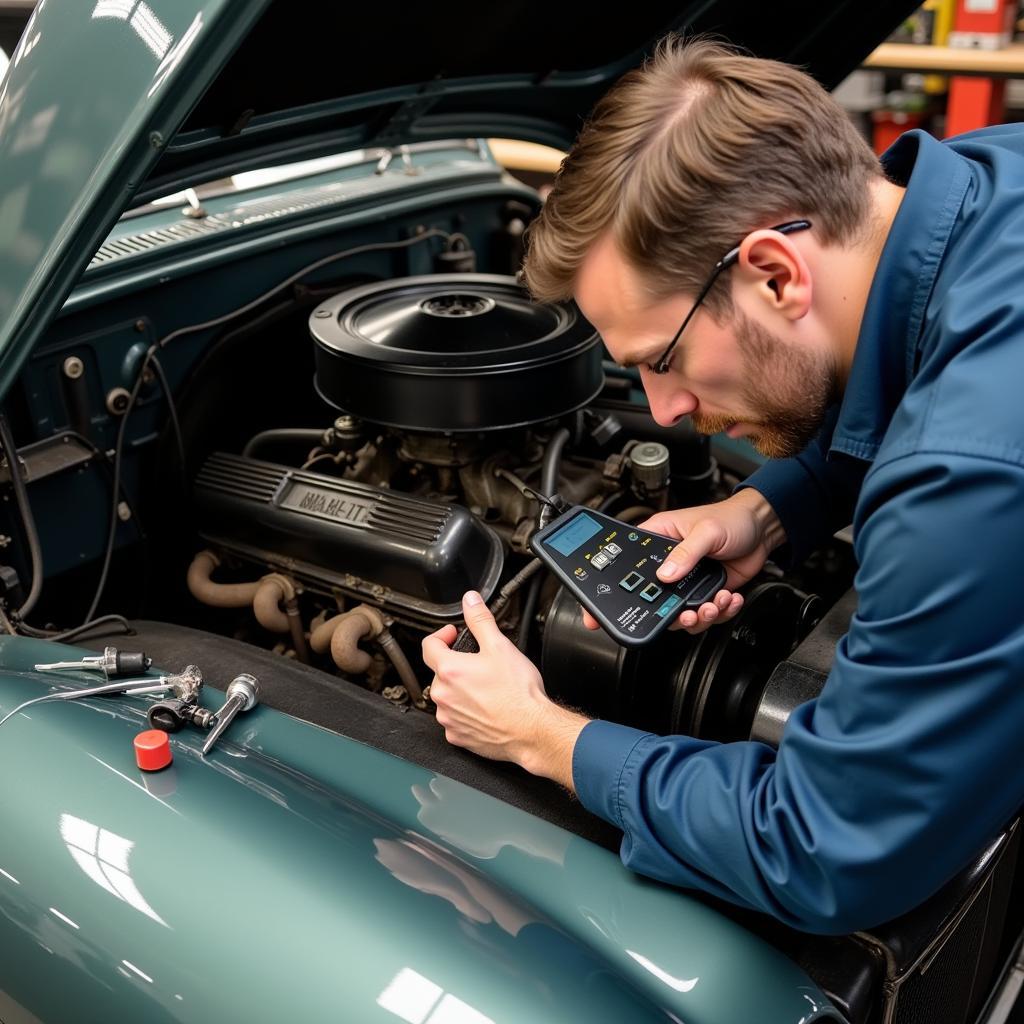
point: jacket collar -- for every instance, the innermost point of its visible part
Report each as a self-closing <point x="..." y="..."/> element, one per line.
<point x="936" y="180"/>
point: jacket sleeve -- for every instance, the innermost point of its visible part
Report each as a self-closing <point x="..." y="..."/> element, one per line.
<point x="812" y="495"/>
<point x="904" y="766"/>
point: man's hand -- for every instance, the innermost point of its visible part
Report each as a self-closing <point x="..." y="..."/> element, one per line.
<point x="740" y="532"/>
<point x="494" y="703"/>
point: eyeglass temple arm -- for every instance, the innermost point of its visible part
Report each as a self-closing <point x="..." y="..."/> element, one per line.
<point x="726" y="261"/>
<point x="733" y="254"/>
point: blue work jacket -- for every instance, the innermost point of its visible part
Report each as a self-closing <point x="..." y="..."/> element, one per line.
<point x="912" y="757"/>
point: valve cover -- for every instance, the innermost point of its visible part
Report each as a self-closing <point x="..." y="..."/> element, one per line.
<point x="387" y="548"/>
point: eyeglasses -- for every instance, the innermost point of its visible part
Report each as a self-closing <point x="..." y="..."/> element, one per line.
<point x="661" y="366"/>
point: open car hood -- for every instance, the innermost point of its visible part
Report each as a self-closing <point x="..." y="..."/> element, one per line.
<point x="114" y="101"/>
<point x="109" y="102"/>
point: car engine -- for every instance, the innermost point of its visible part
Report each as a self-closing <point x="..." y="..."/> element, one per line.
<point x="459" y="401"/>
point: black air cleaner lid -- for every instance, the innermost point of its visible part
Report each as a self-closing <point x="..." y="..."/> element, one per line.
<point x="453" y="352"/>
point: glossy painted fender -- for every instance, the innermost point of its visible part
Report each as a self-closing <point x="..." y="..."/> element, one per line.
<point x="297" y="875"/>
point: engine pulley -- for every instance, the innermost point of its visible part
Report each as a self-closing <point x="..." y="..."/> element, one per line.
<point x="706" y="686"/>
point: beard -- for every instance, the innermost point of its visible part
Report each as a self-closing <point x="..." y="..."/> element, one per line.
<point x="786" y="394"/>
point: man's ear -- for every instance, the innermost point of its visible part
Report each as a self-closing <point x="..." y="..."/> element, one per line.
<point x="772" y="267"/>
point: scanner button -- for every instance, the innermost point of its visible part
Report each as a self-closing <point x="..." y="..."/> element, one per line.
<point x="600" y="561"/>
<point x="632" y="581"/>
<point x="612" y="550"/>
<point x="671" y="603"/>
<point x="650" y="592"/>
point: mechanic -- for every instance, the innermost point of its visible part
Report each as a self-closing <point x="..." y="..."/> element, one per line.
<point x="876" y="356"/>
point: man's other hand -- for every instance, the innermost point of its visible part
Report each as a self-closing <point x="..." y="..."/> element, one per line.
<point x="493" y="702"/>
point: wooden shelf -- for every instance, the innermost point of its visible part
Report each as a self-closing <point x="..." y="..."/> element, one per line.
<point x="1005" y="63"/>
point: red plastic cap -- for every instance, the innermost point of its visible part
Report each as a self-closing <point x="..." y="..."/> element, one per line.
<point x="153" y="750"/>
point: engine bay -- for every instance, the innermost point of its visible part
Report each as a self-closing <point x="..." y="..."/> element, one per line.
<point x="446" y="403"/>
<point x="457" y="402"/>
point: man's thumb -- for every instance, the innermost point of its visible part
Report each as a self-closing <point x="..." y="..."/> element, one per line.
<point x="704" y="538"/>
<point x="479" y="618"/>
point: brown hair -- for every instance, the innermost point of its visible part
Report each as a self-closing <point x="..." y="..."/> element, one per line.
<point x="687" y="155"/>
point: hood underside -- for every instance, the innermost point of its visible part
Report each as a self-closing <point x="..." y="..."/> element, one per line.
<point x="318" y="77"/>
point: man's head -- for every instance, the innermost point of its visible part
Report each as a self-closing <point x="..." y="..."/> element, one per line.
<point x="699" y="151"/>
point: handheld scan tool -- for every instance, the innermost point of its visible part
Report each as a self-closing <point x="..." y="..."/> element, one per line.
<point x="611" y="567"/>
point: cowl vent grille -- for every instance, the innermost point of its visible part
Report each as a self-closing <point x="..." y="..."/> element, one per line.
<point x="287" y="204"/>
<point x="147" y="241"/>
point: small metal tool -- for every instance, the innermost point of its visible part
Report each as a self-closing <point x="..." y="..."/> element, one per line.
<point x="112" y="663"/>
<point x="242" y="695"/>
<point x="132" y="686"/>
<point x="185" y="684"/>
<point x="173" y="714"/>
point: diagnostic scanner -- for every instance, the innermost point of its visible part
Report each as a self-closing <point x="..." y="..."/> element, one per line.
<point x="611" y="566"/>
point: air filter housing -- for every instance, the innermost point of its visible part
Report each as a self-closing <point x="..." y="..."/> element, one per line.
<point x="453" y="352"/>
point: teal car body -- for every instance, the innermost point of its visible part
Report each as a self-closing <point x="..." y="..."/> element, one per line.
<point x="297" y="874"/>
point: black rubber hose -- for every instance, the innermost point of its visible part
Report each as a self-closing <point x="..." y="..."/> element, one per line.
<point x="77" y="631"/>
<point x="282" y="435"/>
<point x="27" y="522"/>
<point x="552" y="462"/>
<point x="549" y="474"/>
<point x="506" y="592"/>
<point x="529" y="610"/>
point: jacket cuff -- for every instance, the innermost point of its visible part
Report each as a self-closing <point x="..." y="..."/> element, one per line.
<point x="598" y="758"/>
<point x="788" y="487"/>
